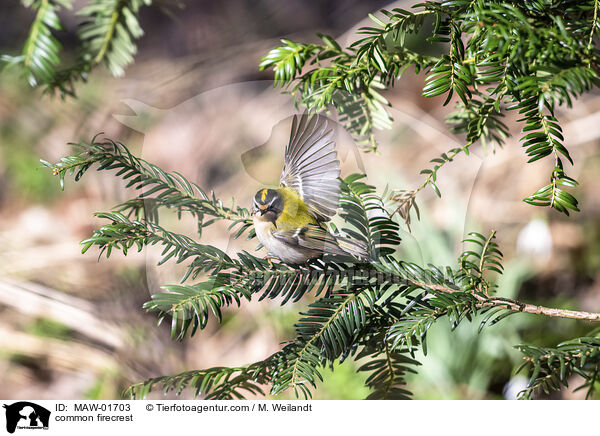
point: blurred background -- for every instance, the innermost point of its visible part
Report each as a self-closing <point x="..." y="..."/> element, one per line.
<point x="195" y="101"/>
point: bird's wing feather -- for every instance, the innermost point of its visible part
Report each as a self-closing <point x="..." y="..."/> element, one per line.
<point x="312" y="237"/>
<point x="311" y="167"/>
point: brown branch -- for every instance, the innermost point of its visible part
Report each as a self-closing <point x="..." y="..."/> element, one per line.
<point x="517" y="305"/>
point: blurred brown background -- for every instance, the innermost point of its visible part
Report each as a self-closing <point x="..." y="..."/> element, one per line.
<point x="194" y="101"/>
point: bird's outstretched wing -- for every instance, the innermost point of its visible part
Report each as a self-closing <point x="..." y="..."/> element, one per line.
<point x="311" y="167"/>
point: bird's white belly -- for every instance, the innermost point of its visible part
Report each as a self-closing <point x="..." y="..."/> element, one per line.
<point x="286" y="252"/>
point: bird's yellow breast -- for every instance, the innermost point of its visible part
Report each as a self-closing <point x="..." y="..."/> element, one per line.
<point x="295" y="213"/>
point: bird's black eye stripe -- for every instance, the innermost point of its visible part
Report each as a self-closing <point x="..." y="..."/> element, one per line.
<point x="268" y="200"/>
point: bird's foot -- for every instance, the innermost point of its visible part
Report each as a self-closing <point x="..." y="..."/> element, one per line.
<point x="270" y="259"/>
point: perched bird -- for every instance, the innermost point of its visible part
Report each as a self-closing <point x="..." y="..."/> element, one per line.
<point x="289" y="221"/>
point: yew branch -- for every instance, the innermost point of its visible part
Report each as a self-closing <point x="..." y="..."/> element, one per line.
<point x="517" y="305"/>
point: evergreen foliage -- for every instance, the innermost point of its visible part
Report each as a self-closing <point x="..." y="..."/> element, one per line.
<point x="498" y="56"/>
<point x="107" y="34"/>
<point x="377" y="312"/>
<point x="40" y="54"/>
<point x="551" y="368"/>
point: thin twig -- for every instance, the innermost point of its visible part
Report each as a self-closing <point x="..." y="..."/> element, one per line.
<point x="517" y="305"/>
<point x="591" y="37"/>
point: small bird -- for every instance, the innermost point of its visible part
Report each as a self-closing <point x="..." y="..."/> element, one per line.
<point x="289" y="221"/>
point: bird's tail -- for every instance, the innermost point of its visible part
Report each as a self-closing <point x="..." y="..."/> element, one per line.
<point x="353" y="247"/>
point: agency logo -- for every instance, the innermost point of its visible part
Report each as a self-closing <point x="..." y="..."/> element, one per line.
<point x="26" y="415"/>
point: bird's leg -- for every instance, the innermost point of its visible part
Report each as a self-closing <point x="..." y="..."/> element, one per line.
<point x="270" y="259"/>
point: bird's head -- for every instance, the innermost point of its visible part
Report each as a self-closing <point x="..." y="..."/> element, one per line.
<point x="268" y="204"/>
